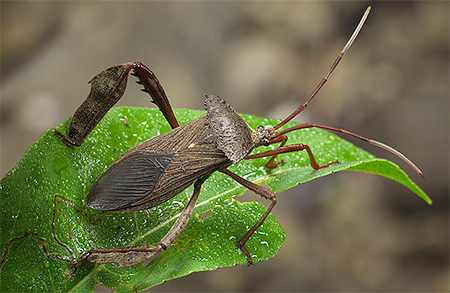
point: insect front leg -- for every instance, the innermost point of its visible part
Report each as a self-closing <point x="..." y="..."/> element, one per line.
<point x="283" y="139"/>
<point x="131" y="255"/>
<point x="289" y="149"/>
<point x="262" y="191"/>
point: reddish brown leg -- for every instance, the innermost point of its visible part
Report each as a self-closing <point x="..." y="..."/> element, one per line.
<point x="293" y="148"/>
<point x="262" y="191"/>
<point x="270" y="164"/>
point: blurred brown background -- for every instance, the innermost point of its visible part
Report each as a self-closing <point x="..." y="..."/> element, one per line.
<point x="346" y="232"/>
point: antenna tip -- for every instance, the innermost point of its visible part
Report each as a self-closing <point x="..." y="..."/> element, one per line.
<point x="366" y="13"/>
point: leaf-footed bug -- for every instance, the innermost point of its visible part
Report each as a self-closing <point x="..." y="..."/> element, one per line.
<point x="163" y="166"/>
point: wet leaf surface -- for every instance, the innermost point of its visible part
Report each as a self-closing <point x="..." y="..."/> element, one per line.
<point x="46" y="224"/>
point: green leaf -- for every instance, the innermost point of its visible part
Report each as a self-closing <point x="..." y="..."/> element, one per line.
<point x="45" y="222"/>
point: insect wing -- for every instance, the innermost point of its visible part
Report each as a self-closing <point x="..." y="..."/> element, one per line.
<point x="186" y="167"/>
<point x="127" y="181"/>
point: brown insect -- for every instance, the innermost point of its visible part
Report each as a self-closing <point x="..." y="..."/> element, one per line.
<point x="163" y="166"/>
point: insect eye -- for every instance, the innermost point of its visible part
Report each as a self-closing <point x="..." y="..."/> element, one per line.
<point x="266" y="142"/>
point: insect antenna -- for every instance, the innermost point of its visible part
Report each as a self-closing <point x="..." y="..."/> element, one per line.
<point x="324" y="80"/>
<point x="371" y="141"/>
<point x="320" y="85"/>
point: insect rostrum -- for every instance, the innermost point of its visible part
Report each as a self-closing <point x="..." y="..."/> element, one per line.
<point x="163" y="166"/>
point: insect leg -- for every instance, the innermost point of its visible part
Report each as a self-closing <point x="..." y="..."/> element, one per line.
<point x="131" y="255"/>
<point x="182" y="220"/>
<point x="107" y="88"/>
<point x="293" y="148"/>
<point x="283" y="139"/>
<point x="152" y="86"/>
<point x="262" y="191"/>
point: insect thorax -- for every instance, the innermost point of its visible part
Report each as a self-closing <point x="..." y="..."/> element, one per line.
<point x="231" y="132"/>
